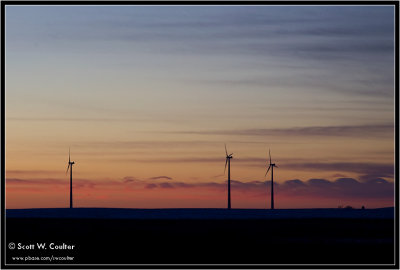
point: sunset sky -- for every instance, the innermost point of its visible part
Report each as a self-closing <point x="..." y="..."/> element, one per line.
<point x="146" y="97"/>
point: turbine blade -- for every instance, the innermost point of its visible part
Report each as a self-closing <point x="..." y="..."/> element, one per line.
<point x="69" y="155"/>
<point x="67" y="168"/>
<point x="226" y="151"/>
<point x="276" y="166"/>
<point x="270" y="160"/>
<point x="231" y="154"/>
<point x="226" y="162"/>
<point x="268" y="170"/>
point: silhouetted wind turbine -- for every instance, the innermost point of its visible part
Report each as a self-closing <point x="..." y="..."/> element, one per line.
<point x="271" y="166"/>
<point x="70" y="173"/>
<point x="228" y="161"/>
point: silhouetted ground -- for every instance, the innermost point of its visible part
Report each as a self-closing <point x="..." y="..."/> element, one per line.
<point x="200" y="213"/>
<point x="184" y="237"/>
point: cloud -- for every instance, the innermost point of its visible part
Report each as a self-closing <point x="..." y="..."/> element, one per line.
<point x="66" y="119"/>
<point x="160" y="177"/>
<point x="46" y="182"/>
<point x="181" y="160"/>
<point x="346" y="181"/>
<point x="30" y="172"/>
<point x="150" y="186"/>
<point x="323" y="37"/>
<point x="339" y="131"/>
<point x="130" y="179"/>
<point x="340" y="188"/>
<point x="370" y="176"/>
<point x="35" y="181"/>
<point x="319" y="25"/>
<point x="17" y="181"/>
<point x="338" y="175"/>
<point x="145" y="144"/>
<point x="292" y="184"/>
<point x="319" y="183"/>
<point x="183" y="185"/>
<point x="165" y="185"/>
<point x="368" y="188"/>
<point x="84" y="184"/>
<point x="248" y="186"/>
<point x="367" y="169"/>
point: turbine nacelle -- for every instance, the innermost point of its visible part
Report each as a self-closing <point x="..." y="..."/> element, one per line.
<point x="268" y="166"/>
<point x="70" y="163"/>
<point x="228" y="157"/>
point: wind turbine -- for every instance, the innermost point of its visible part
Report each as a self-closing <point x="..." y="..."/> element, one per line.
<point x="228" y="161"/>
<point x="70" y="173"/>
<point x="271" y="166"/>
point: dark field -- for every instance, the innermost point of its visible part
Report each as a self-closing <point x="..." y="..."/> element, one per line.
<point x="311" y="240"/>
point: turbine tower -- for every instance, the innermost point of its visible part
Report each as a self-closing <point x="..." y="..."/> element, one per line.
<point x="228" y="161"/>
<point x="70" y="163"/>
<point x="271" y="166"/>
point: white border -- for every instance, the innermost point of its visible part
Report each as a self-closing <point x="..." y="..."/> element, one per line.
<point x="228" y="5"/>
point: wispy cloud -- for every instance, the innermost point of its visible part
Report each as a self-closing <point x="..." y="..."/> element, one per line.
<point x="160" y="177"/>
<point x="50" y="181"/>
<point x="145" y="144"/>
<point x="344" y="42"/>
<point x="31" y="172"/>
<point x="369" y="188"/>
<point x="342" y="131"/>
<point x="340" y="188"/>
<point x="376" y="169"/>
<point x="165" y="185"/>
<point x="78" y="182"/>
<point x="130" y="179"/>
<point x="366" y="169"/>
<point x="67" y="119"/>
<point x="151" y="186"/>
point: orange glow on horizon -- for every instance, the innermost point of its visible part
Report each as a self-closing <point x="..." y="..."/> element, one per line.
<point x="115" y="194"/>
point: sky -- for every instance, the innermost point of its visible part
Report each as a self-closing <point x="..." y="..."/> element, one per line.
<point x="146" y="97"/>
